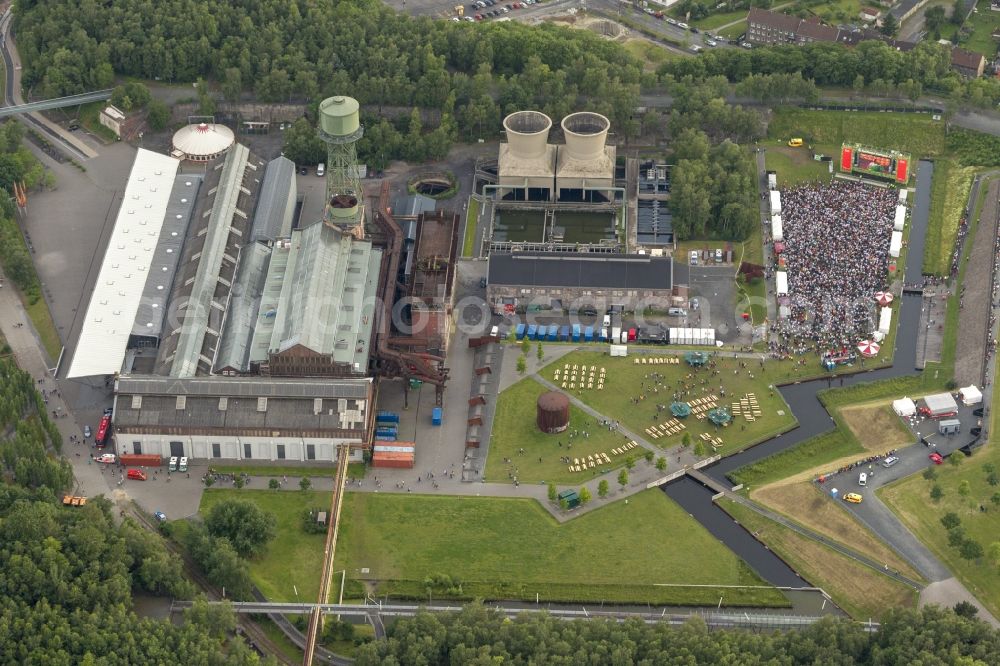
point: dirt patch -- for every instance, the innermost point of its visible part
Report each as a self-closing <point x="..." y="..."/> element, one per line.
<point x="877" y="427"/>
<point x="798" y="156"/>
<point x="806" y="505"/>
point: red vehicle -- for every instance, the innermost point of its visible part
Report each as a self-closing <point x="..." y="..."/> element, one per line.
<point x="103" y="430"/>
<point x="926" y="412"/>
<point x="631" y="334"/>
<point x="137" y="475"/>
<point x="936" y="458"/>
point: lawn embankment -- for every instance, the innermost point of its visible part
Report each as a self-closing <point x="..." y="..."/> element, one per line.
<point x="514" y="428"/>
<point x="471" y="220"/>
<point x="914" y="133"/>
<point x="354" y="470"/>
<point x="648" y="550"/>
<point x="949" y="195"/>
<point x="859" y="590"/>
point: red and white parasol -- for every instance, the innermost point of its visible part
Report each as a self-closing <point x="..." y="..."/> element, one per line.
<point x="883" y="297"/>
<point x="869" y="347"/>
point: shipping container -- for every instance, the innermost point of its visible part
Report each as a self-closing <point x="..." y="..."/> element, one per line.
<point x="387" y="417"/>
<point x="388" y="459"/>
<point x="385" y="438"/>
<point x="540" y="333"/>
<point x="532" y="329"/>
<point x="141" y="460"/>
<point x="436" y="416"/>
<point x="576" y="332"/>
<point x="588" y="334"/>
<point x="553" y="333"/>
<point x="564" y="333"/>
<point x="387" y="430"/>
<point x="519" y="331"/>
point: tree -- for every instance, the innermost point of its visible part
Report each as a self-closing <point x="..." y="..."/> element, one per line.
<point x="302" y="144"/>
<point x="958" y="12"/>
<point x="890" y="25"/>
<point x="993" y="479"/>
<point x="933" y="20"/>
<point x="970" y="550"/>
<point x="956" y="536"/>
<point x="648" y="455"/>
<point x="602" y="488"/>
<point x="247" y="527"/>
<point x="966" y="609"/>
<point x="950" y="520"/>
<point x="661" y="464"/>
<point x="964" y="488"/>
<point x="623" y="478"/>
<point x="994" y="553"/>
<point x="585" y="495"/>
<point x="686" y="439"/>
<point x="525" y="345"/>
<point x="630" y="463"/>
<point x="995" y="499"/>
<point x="157" y="115"/>
<point x="955" y="459"/>
<point x="305" y="483"/>
<point x="553" y="493"/>
<point x="232" y="85"/>
<point x="522" y="364"/>
<point x="206" y="104"/>
<point x="930" y="474"/>
<point x="699" y="449"/>
<point x="936" y="492"/>
<point x="539" y="352"/>
<point x="274" y="484"/>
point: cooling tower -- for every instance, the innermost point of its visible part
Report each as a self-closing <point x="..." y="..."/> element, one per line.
<point x="527" y="134"/>
<point x="586" y="133"/>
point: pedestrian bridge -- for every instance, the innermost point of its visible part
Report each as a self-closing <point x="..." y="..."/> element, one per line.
<point x="56" y="103"/>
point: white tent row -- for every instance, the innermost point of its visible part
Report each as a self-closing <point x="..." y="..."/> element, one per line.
<point x="896" y="244"/>
<point x="776" y="230"/>
<point x="902" y="196"/>
<point x="884" y="320"/>
<point x="772" y="181"/>
<point x="904" y="406"/>
<point x="900" y="221"/>
<point x="775" y="202"/>
<point x="971" y="395"/>
<point x="692" y="336"/>
<point x="781" y="283"/>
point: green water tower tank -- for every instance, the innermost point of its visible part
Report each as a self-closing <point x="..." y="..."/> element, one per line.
<point x="339" y="116"/>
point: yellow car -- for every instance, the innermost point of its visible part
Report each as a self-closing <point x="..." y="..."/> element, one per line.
<point x="795" y="143"/>
<point x="853" y="498"/>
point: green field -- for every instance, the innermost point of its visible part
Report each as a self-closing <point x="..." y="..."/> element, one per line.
<point x="471" y="219"/>
<point x="515" y="225"/>
<point x="512" y="548"/>
<point x="859" y="590"/>
<point x="41" y="319"/>
<point x="949" y="194"/>
<point x="653" y="55"/>
<point x="354" y="470"/>
<point x="514" y="428"/>
<point x="914" y="133"/>
<point x="983" y="23"/>
<point x="794" y="166"/>
<point x="273" y="572"/>
<point x="625" y="378"/>
<point x="713" y="21"/>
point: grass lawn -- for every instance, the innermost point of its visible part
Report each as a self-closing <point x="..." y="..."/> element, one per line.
<point x="471" y="219"/>
<point x="804" y="503"/>
<point x="907" y="132"/>
<point x="876" y="426"/>
<point x="794" y="165"/>
<point x="513" y="549"/>
<point x="294" y="558"/>
<point x="949" y="194"/>
<point x="733" y="31"/>
<point x="859" y="590"/>
<point x="278" y="637"/>
<point x="983" y="23"/>
<point x="354" y="470"/>
<point x="652" y="55"/>
<point x="713" y="21"/>
<point x="810" y="454"/>
<point x="41" y="319"/>
<point x="623" y="382"/>
<point x="514" y="428"/>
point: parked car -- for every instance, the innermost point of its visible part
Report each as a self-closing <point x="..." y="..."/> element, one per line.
<point x="694" y="257"/>
<point x="853" y="498"/>
<point x="87" y="432"/>
<point x="136" y="475"/>
<point x="746" y="45"/>
<point x="321" y="169"/>
<point x="718" y="255"/>
<point x="711" y="42"/>
<point x="863" y="479"/>
<point x="172" y="467"/>
<point x="160" y="516"/>
<point x="106" y="458"/>
<point x="671" y="21"/>
<point x="890" y="461"/>
<point x="182" y="466"/>
<point x="936" y="458"/>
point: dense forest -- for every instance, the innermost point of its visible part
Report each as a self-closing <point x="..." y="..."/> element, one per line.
<point x="69" y="572"/>
<point x="478" y="636"/>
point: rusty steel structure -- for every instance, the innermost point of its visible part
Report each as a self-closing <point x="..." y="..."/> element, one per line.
<point x="389" y="360"/>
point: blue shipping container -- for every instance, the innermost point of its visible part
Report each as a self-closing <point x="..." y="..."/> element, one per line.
<point x="436" y="415"/>
<point x="385" y="438"/>
<point x="576" y="332"/>
<point x="564" y="333"/>
<point x="588" y="334"/>
<point x="520" y="331"/>
<point x="553" y="333"/>
<point x="386" y="432"/>
<point x="532" y="329"/>
<point x="387" y="417"/>
<point x="541" y="332"/>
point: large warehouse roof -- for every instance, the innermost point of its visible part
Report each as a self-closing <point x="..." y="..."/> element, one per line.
<point x="127" y="263"/>
<point x="605" y="271"/>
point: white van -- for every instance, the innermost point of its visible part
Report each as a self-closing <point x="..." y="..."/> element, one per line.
<point x="890" y="461"/>
<point x="182" y="466"/>
<point x="863" y="479"/>
<point x="677" y="312"/>
<point x="173" y="464"/>
<point x="321" y="169"/>
<point x="694" y="257"/>
<point x="495" y="332"/>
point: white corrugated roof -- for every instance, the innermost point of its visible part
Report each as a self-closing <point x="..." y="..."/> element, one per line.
<point x="103" y="339"/>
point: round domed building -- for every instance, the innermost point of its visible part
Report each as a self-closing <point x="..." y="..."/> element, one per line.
<point x="553" y="412"/>
<point x="202" y="142"/>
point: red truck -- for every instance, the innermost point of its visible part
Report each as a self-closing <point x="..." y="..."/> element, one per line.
<point x="103" y="430"/>
<point x="140" y="460"/>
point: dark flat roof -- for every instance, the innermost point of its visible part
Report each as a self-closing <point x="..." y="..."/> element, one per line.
<point x="600" y="271"/>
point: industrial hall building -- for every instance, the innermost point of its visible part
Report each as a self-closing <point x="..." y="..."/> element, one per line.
<point x="231" y="328"/>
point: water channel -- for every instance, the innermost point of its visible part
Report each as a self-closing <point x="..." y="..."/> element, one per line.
<point x="812" y="418"/>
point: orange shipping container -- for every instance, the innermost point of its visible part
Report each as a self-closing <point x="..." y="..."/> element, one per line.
<point x="392" y="459"/>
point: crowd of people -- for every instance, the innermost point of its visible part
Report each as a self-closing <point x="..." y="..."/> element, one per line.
<point x="836" y="241"/>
